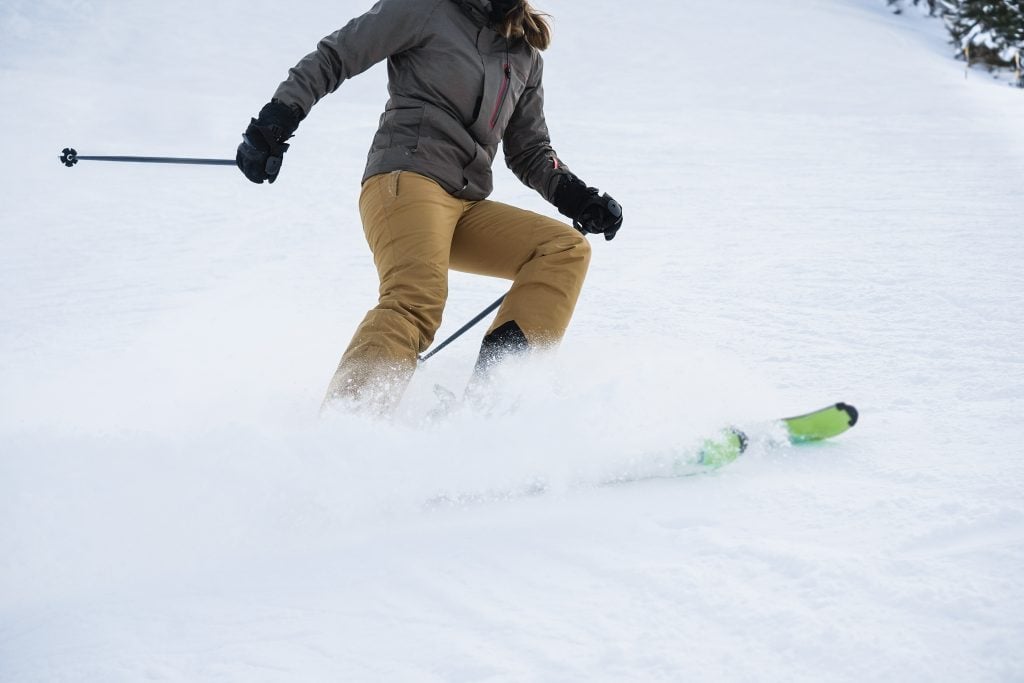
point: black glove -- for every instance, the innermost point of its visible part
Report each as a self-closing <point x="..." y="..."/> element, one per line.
<point x="589" y="211"/>
<point x="263" y="143"/>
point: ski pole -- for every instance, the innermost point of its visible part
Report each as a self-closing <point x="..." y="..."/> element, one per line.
<point x="465" y="328"/>
<point x="69" y="157"/>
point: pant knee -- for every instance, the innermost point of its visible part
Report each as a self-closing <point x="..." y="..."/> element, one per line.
<point x="420" y="308"/>
<point x="581" y="251"/>
<point x="565" y="260"/>
<point x="569" y="248"/>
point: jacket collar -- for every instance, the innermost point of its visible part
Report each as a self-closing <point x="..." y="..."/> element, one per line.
<point x="477" y="10"/>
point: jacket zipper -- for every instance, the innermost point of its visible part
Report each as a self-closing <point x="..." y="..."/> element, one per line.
<point x="505" y="82"/>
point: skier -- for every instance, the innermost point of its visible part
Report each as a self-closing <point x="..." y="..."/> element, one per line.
<point x="463" y="75"/>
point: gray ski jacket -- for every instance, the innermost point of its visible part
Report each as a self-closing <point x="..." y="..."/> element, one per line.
<point x="457" y="89"/>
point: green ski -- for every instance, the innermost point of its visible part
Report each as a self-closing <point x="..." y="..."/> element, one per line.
<point x="819" y="425"/>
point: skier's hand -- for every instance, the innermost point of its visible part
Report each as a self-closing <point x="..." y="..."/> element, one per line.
<point x="263" y="143"/>
<point x="590" y="212"/>
<point x="600" y="215"/>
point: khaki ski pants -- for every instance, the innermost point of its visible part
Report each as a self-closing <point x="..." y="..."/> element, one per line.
<point x="417" y="232"/>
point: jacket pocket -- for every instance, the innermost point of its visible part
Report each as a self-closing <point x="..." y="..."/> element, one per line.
<point x="503" y="90"/>
<point x="504" y="93"/>
<point x="399" y="127"/>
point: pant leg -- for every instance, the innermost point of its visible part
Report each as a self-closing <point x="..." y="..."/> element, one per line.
<point x="546" y="259"/>
<point x="408" y="221"/>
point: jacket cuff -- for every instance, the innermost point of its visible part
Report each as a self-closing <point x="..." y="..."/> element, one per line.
<point x="571" y="195"/>
<point x="282" y="116"/>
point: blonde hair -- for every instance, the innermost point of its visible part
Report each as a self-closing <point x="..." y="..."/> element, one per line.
<point x="527" y="23"/>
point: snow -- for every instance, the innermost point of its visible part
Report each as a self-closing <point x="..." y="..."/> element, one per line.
<point x="819" y="207"/>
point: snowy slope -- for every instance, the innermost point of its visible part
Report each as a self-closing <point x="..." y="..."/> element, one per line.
<point x="820" y="207"/>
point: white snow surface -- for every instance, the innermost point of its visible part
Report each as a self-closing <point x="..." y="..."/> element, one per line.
<point x="819" y="207"/>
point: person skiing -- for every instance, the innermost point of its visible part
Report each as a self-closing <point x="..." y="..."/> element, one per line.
<point x="463" y="76"/>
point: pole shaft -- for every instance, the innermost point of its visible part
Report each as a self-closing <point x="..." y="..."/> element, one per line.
<point x="161" y="160"/>
<point x="465" y="328"/>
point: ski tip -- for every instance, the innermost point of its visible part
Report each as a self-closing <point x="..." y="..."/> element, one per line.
<point x="850" y="411"/>
<point x="821" y="424"/>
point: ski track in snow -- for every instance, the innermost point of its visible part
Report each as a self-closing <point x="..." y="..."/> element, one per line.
<point x="820" y="207"/>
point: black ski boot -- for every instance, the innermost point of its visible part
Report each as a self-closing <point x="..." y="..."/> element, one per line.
<point x="504" y="342"/>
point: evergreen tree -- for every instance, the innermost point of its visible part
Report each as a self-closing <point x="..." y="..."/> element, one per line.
<point x="932" y="5"/>
<point x="987" y="31"/>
